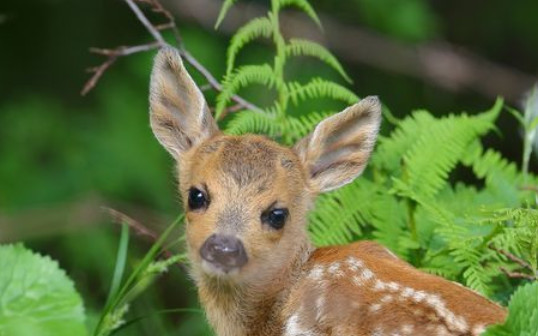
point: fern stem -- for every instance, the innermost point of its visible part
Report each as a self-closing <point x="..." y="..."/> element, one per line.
<point x="530" y="126"/>
<point x="279" y="63"/>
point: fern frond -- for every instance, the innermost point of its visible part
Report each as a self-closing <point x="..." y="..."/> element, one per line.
<point x="437" y="149"/>
<point x="253" y="122"/>
<point x="223" y="11"/>
<point x="474" y="274"/>
<point x="300" y="47"/>
<point x="242" y="77"/>
<point x="339" y="215"/>
<point x="256" y="28"/>
<point x="300" y="4"/>
<point x="301" y="126"/>
<point x="318" y="88"/>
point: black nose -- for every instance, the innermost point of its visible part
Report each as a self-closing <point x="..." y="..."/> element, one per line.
<point x="224" y="252"/>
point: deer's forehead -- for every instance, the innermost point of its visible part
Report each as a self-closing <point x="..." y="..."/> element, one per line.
<point x="248" y="161"/>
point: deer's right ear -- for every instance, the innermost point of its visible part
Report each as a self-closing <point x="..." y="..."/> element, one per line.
<point x="179" y="115"/>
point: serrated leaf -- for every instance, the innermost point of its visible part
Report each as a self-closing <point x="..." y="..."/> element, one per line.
<point x="253" y="122"/>
<point x="300" y="47"/>
<point x="320" y="88"/>
<point x="522" y="314"/>
<point x="223" y="11"/>
<point x="36" y="296"/>
<point x="256" y="28"/>
<point x="242" y="77"/>
<point x="302" y="5"/>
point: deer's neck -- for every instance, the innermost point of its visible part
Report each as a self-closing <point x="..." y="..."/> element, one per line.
<point x="254" y="308"/>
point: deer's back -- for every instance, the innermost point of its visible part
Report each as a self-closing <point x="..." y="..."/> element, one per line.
<point x="363" y="289"/>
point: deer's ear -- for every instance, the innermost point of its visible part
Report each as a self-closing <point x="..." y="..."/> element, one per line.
<point x="179" y="114"/>
<point x="337" y="151"/>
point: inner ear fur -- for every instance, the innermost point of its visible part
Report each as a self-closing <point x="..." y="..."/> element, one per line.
<point x="179" y="115"/>
<point x="338" y="149"/>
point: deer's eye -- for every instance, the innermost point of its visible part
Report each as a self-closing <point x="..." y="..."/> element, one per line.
<point x="275" y="218"/>
<point x="197" y="199"/>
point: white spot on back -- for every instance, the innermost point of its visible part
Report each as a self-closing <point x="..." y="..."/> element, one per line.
<point x="375" y="307"/>
<point x="293" y="327"/>
<point x="316" y="273"/>
<point x="478" y="329"/>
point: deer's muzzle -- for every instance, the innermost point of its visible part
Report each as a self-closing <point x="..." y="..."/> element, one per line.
<point x="224" y="252"/>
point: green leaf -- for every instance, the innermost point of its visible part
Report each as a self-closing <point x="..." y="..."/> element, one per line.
<point x="253" y="122"/>
<point x="434" y="151"/>
<point x="36" y="296"/>
<point x="300" y="47"/>
<point x="223" y="11"/>
<point x="121" y="259"/>
<point x="522" y="314"/>
<point x="256" y="28"/>
<point x="242" y="77"/>
<point x="320" y="88"/>
<point x="302" y="5"/>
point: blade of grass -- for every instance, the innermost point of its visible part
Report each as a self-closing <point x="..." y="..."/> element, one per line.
<point x="121" y="259"/>
<point x="118" y="299"/>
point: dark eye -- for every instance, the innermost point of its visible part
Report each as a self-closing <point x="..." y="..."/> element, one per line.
<point x="276" y="218"/>
<point x="197" y="199"/>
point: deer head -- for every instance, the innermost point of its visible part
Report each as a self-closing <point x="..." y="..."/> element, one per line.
<point x="246" y="197"/>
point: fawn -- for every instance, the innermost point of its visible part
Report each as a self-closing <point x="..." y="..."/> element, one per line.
<point x="255" y="268"/>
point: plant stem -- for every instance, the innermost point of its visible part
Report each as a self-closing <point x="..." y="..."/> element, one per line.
<point x="279" y="63"/>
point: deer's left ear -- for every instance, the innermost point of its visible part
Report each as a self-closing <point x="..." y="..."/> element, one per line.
<point x="337" y="151"/>
<point x="179" y="114"/>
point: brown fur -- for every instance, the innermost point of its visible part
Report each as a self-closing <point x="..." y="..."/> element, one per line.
<point x="287" y="287"/>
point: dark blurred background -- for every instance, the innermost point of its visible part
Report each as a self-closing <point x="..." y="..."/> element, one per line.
<point x="63" y="155"/>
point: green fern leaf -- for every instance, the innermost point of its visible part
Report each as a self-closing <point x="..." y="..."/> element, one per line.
<point x="437" y="150"/>
<point x="242" y="77"/>
<point x="522" y="314"/>
<point x="337" y="218"/>
<point x="256" y="28"/>
<point x="223" y="11"/>
<point x="300" y="47"/>
<point x="253" y="122"/>
<point x="302" y="5"/>
<point x="318" y="88"/>
<point x="303" y="125"/>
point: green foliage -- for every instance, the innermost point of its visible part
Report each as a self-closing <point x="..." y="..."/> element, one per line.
<point x="522" y="314"/>
<point x="410" y="20"/>
<point x="37" y="298"/>
<point x="277" y="120"/>
<point x="122" y="293"/>
<point x="409" y="202"/>
<point x="410" y="198"/>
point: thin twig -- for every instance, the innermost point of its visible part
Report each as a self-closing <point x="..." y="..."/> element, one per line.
<point x="142" y="18"/>
<point x="113" y="55"/>
<point x="155" y="31"/>
<point x="529" y="187"/>
<point x="512" y="257"/>
<point x="518" y="275"/>
<point x="119" y="217"/>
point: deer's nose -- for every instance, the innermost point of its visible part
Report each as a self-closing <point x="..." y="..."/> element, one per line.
<point x="223" y="251"/>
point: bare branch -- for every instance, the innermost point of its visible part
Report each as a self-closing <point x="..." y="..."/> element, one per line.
<point x="142" y="18"/>
<point x="113" y="55"/>
<point x="518" y="275"/>
<point x="155" y="31"/>
<point x="121" y="218"/>
<point x="512" y="257"/>
<point x="529" y="188"/>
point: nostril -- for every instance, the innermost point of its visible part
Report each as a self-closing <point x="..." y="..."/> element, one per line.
<point x="222" y="248"/>
<point x="225" y="251"/>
